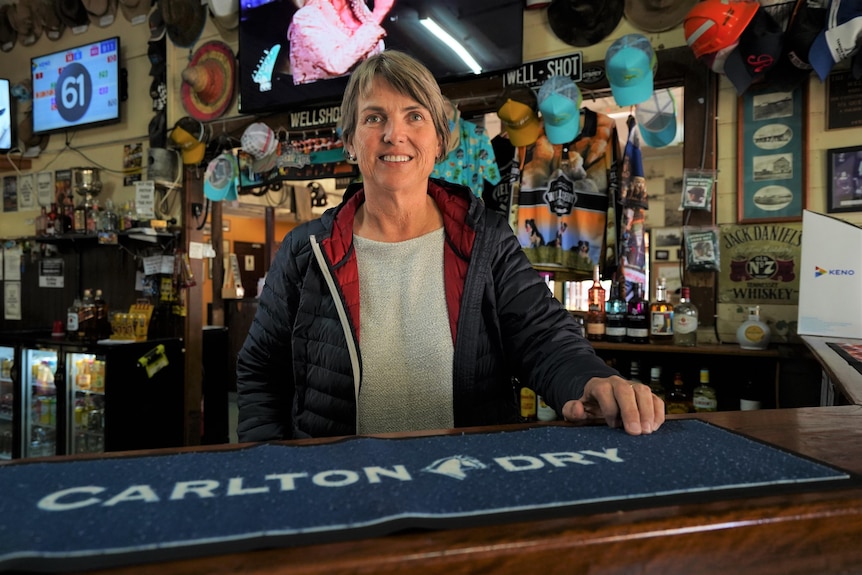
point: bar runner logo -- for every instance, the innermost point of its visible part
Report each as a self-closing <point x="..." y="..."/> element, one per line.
<point x="820" y="272"/>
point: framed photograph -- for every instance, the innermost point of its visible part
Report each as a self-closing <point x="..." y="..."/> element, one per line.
<point x="772" y="128"/>
<point x="844" y="179"/>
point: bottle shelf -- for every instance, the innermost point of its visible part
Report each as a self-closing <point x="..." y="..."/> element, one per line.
<point x="706" y="349"/>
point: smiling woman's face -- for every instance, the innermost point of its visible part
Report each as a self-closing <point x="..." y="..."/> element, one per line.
<point x="395" y="143"/>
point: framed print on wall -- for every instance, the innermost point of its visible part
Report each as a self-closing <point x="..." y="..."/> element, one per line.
<point x="844" y="179"/>
<point x="772" y="127"/>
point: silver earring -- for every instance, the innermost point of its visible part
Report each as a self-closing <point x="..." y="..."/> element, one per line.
<point x="351" y="157"/>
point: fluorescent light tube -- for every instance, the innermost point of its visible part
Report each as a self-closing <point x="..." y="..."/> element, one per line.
<point x="456" y="46"/>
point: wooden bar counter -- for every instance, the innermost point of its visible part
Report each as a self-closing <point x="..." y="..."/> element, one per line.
<point x="814" y="532"/>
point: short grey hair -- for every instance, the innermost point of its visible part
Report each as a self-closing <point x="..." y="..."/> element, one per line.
<point x="406" y="75"/>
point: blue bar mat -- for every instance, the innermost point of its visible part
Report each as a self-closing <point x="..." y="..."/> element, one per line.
<point x="116" y="511"/>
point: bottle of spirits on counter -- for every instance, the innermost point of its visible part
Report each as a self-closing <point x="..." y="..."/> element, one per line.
<point x="749" y="399"/>
<point x="703" y="396"/>
<point x="596" y="318"/>
<point x="528" y="402"/>
<point x="685" y="320"/>
<point x="655" y="384"/>
<point x="661" y="315"/>
<point x="637" y="317"/>
<point x="87" y="317"/>
<point x="678" y="399"/>
<point x="753" y="333"/>
<point x="615" y="313"/>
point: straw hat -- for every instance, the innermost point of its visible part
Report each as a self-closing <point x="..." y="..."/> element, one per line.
<point x="208" y="81"/>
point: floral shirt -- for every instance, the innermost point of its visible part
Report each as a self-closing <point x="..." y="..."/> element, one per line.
<point x="472" y="162"/>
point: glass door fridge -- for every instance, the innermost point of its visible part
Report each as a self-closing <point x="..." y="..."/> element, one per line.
<point x="40" y="422"/>
<point x="86" y="380"/>
<point x="8" y="397"/>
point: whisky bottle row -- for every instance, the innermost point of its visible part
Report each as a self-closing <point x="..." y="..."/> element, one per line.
<point x="703" y="398"/>
<point x="636" y="320"/>
<point x="87" y="318"/>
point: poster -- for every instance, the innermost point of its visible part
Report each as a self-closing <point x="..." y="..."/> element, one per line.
<point x="10" y="193"/>
<point x="26" y="192"/>
<point x="759" y="266"/>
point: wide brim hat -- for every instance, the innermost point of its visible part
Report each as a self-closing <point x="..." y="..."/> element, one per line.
<point x="8" y="34"/>
<point x="224" y="14"/>
<point x="46" y="12"/>
<point x="102" y="13"/>
<point x="584" y="22"/>
<point x="72" y="13"/>
<point x="184" y="20"/>
<point x="135" y="11"/>
<point x="25" y="22"/>
<point x="657" y="15"/>
<point x="208" y="81"/>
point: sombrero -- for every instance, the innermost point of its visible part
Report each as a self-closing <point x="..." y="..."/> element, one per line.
<point x="208" y="81"/>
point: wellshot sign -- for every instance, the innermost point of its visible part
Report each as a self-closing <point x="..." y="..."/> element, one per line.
<point x="88" y="513"/>
<point x="533" y="74"/>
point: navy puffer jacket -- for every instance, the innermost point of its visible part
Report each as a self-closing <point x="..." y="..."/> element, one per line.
<point x="300" y="370"/>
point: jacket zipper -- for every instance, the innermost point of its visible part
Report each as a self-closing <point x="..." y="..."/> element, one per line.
<point x="345" y="324"/>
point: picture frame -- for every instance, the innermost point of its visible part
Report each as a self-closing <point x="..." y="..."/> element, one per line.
<point x="772" y="133"/>
<point x="844" y="179"/>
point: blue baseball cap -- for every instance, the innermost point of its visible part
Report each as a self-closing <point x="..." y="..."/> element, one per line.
<point x="657" y="119"/>
<point x="839" y="39"/>
<point x="560" y="103"/>
<point x="630" y="64"/>
<point x="220" y="178"/>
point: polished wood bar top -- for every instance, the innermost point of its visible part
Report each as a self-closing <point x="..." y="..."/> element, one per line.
<point x="843" y="375"/>
<point x="809" y="532"/>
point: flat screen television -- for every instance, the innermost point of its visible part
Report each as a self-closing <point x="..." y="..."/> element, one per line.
<point x="7" y="117"/>
<point x="76" y="87"/>
<point x="325" y="44"/>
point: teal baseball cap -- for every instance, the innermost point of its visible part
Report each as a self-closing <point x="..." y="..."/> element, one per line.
<point x="656" y="119"/>
<point x="630" y="65"/>
<point x="220" y="178"/>
<point x="560" y="104"/>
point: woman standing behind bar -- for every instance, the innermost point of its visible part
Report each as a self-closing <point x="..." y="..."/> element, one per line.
<point x="409" y="306"/>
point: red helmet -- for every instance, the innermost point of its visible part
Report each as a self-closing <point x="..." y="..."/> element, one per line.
<point x="715" y="24"/>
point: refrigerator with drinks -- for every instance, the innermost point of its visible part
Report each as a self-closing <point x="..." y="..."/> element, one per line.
<point x="106" y="396"/>
<point x="39" y="396"/>
<point x="8" y="395"/>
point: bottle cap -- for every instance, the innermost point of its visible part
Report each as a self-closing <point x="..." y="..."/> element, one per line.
<point x="58" y="330"/>
<point x="704" y="376"/>
<point x="655" y="372"/>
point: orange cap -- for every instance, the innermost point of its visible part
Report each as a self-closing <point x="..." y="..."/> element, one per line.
<point x="715" y="24"/>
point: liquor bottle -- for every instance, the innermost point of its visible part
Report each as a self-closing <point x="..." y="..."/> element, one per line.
<point x="41" y="222"/>
<point x="529" y="403"/>
<point x="72" y="315"/>
<point x="678" y="400"/>
<point x="749" y="399"/>
<point x="53" y="227"/>
<point x="703" y="396"/>
<point x="615" y="313"/>
<point x="66" y="214"/>
<point x="596" y="318"/>
<point x="637" y="317"/>
<point x="79" y="221"/>
<point x="94" y="214"/>
<point x="753" y="333"/>
<point x="655" y="384"/>
<point x="87" y="317"/>
<point x="109" y="220"/>
<point x="685" y="320"/>
<point x="103" y="327"/>
<point x="661" y="315"/>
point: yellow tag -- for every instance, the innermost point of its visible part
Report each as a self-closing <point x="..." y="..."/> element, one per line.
<point x="154" y="360"/>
